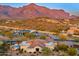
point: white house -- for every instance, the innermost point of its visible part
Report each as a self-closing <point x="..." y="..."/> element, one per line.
<point x="15" y="46"/>
<point x="35" y="49"/>
<point x="50" y="45"/>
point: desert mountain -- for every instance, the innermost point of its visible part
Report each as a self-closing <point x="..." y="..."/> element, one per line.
<point x="32" y="11"/>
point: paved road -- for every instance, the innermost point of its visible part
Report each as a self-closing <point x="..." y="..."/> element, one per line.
<point x="26" y="29"/>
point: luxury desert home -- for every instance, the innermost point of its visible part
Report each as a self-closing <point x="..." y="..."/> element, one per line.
<point x="34" y="45"/>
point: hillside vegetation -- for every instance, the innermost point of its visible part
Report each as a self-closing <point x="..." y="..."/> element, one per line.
<point x="44" y="24"/>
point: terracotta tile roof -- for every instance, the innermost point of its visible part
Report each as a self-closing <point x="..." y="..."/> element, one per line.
<point x="3" y="38"/>
<point x="37" y="42"/>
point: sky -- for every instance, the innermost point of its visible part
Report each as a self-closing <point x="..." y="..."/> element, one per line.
<point x="73" y="8"/>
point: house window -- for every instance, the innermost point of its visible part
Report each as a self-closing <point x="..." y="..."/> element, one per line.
<point x="34" y="52"/>
<point x="30" y="52"/>
<point x="37" y="49"/>
<point x="25" y="51"/>
<point x="17" y="53"/>
<point x="40" y="52"/>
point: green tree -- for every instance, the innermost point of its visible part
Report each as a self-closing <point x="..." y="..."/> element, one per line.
<point x="76" y="39"/>
<point x="4" y="48"/>
<point x="42" y="37"/>
<point x="30" y="35"/>
<point x="1" y="42"/>
<point x="8" y="34"/>
<point x="72" y="51"/>
<point x="46" y="51"/>
<point x="62" y="47"/>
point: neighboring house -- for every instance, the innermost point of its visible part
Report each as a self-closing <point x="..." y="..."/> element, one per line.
<point x="54" y="37"/>
<point x="4" y="37"/>
<point x="68" y="43"/>
<point x="50" y="45"/>
<point x="37" y="33"/>
<point x="15" y="47"/>
<point x="73" y="30"/>
<point x="70" y="32"/>
<point x="24" y="45"/>
<point x="20" y="32"/>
